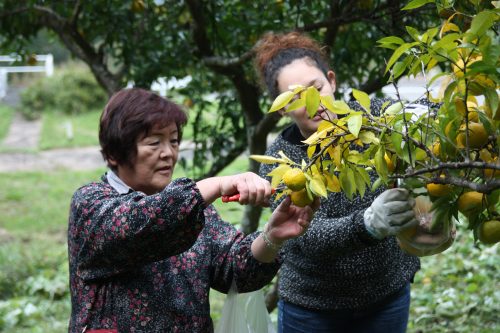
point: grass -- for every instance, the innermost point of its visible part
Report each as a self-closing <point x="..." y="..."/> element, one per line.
<point x="60" y="130"/>
<point x="34" y="295"/>
<point x="6" y="114"/>
<point x="455" y="291"/>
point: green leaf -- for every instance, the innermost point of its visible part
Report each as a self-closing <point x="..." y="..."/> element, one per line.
<point x="414" y="33"/>
<point x="368" y="137"/>
<point x="354" y="123"/>
<point x="482" y="22"/>
<point x="266" y="159"/>
<point x="416" y="4"/>
<point x="340" y="107"/>
<point x="364" y="174"/>
<point x="362" y="98"/>
<point x="398" y="53"/>
<point x="360" y="184"/>
<point x="376" y="184"/>
<point x="281" y="101"/>
<point x="297" y="104"/>
<point x="347" y="182"/>
<point x="391" y="40"/>
<point x="398" y="69"/>
<point x="312" y="101"/>
<point x="394" y="108"/>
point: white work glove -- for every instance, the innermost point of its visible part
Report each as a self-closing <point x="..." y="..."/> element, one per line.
<point x="390" y="212"/>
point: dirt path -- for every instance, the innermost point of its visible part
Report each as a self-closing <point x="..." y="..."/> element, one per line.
<point x="24" y="135"/>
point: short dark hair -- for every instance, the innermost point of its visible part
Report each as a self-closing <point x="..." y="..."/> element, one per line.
<point x="130" y="115"/>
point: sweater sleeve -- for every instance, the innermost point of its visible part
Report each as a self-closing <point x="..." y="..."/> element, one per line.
<point x="110" y="233"/>
<point x="232" y="257"/>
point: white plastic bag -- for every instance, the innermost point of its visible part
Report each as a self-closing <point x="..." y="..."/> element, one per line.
<point x="245" y="313"/>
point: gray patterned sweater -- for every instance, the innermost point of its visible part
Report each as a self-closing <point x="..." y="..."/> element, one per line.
<point x="337" y="264"/>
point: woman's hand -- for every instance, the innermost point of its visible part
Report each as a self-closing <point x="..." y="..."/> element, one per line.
<point x="289" y="221"/>
<point x="286" y="222"/>
<point x="252" y="189"/>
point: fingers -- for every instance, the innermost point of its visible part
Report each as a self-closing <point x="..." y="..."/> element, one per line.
<point x="401" y="219"/>
<point x="253" y="190"/>
<point x="397" y="207"/>
<point x="395" y="194"/>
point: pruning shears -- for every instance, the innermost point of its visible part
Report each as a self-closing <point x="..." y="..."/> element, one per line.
<point x="236" y="197"/>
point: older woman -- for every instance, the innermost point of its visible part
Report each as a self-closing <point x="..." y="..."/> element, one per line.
<point x="144" y="250"/>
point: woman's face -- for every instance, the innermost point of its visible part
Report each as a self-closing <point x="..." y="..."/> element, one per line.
<point x="154" y="165"/>
<point x="303" y="72"/>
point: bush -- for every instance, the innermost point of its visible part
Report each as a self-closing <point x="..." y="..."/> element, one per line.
<point x="72" y="90"/>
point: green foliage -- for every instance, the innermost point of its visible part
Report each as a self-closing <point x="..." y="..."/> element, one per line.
<point x="71" y="90"/>
<point x="210" y="42"/>
<point x="457" y="291"/>
<point x="6" y="114"/>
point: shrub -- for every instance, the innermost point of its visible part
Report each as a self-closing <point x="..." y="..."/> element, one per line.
<point x="72" y="90"/>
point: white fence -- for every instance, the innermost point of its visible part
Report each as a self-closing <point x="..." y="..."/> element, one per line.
<point x="47" y="68"/>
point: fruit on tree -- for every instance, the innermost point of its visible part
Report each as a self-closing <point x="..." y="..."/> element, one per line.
<point x="478" y="136"/>
<point x="438" y="190"/>
<point x="138" y="6"/>
<point x="390" y="164"/>
<point x="294" y="179"/>
<point x="301" y="198"/>
<point x="489" y="232"/>
<point x="492" y="173"/>
<point x="471" y="202"/>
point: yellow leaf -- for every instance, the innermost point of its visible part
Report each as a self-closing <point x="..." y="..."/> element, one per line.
<point x="281" y="101"/>
<point x="327" y="102"/>
<point x="448" y="26"/>
<point x="312" y="101"/>
<point x="266" y="159"/>
<point x="332" y="183"/>
<point x="285" y="158"/>
<point x="297" y="104"/>
<point x="362" y="98"/>
<point x="277" y="174"/>
<point x="354" y="123"/>
<point x="340" y="107"/>
<point x="368" y="137"/>
<point x="318" y="187"/>
<point x="325" y="125"/>
<point x="336" y="156"/>
<point x="311" y="150"/>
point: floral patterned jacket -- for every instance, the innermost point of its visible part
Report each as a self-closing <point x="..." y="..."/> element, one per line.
<point x="143" y="263"/>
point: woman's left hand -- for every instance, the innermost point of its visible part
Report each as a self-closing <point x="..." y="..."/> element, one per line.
<point x="289" y="221"/>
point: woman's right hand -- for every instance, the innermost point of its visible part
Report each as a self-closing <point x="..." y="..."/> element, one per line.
<point x="252" y="189"/>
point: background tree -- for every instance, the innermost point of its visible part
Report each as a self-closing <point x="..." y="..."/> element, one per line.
<point x="211" y="41"/>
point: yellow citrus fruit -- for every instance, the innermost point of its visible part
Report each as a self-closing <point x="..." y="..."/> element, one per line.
<point x="458" y="69"/>
<point x="492" y="173"/>
<point x="478" y="136"/>
<point x="138" y="6"/>
<point x="301" y="198"/>
<point x="470" y="202"/>
<point x="390" y="164"/>
<point x="294" y="179"/>
<point x="436" y="148"/>
<point x="489" y="232"/>
<point x="438" y="190"/>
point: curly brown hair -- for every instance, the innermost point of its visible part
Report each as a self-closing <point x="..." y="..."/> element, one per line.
<point x="276" y="50"/>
